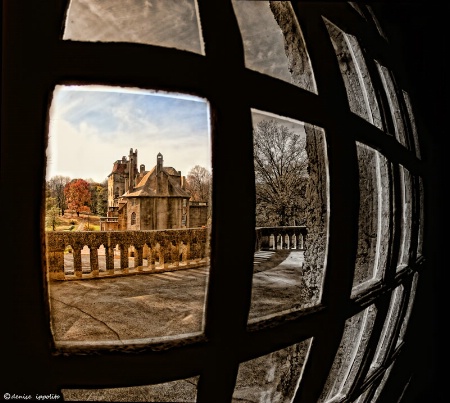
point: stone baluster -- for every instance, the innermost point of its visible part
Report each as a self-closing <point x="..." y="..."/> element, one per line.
<point x="175" y="255"/>
<point x="166" y="252"/>
<point x="161" y="256"/>
<point x="138" y="257"/>
<point x="55" y="264"/>
<point x="109" y="257"/>
<point x="77" y="265"/>
<point x="187" y="253"/>
<point x="124" y="262"/>
<point x="151" y="258"/>
<point x="93" y="257"/>
<point x="300" y="241"/>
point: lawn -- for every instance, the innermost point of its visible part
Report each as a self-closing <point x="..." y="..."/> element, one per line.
<point x="71" y="222"/>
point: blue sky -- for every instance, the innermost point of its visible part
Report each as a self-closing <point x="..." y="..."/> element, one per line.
<point x="93" y="126"/>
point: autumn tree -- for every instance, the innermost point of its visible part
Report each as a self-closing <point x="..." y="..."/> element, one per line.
<point x="281" y="165"/>
<point x="198" y="183"/>
<point x="56" y="187"/>
<point x="78" y="195"/>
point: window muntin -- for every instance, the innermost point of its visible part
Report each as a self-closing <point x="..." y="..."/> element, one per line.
<point x="273" y="41"/>
<point x="183" y="390"/>
<point x="169" y="23"/>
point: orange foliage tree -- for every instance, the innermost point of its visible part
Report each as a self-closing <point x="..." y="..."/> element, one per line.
<point x="78" y="195"/>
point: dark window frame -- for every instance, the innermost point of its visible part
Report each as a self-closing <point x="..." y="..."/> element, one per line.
<point x="216" y="356"/>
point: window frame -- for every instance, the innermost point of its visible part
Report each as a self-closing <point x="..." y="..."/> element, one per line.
<point x="227" y="339"/>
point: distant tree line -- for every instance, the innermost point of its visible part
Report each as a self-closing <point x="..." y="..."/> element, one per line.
<point x="79" y="195"/>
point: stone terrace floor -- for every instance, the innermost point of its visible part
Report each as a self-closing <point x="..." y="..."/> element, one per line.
<point x="164" y="304"/>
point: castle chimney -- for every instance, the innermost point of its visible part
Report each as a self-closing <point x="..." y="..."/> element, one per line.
<point x="159" y="163"/>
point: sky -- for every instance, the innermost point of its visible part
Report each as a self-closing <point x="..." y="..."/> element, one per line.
<point x="93" y="126"/>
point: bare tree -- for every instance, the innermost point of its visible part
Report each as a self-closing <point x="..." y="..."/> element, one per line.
<point x="199" y="184"/>
<point x="281" y="165"/>
<point x="56" y="187"/>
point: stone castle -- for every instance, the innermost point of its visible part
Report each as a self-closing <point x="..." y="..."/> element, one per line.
<point x="150" y="200"/>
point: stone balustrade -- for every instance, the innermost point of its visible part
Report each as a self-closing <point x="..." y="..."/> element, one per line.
<point x="150" y="251"/>
<point x="292" y="237"/>
<point x="113" y="253"/>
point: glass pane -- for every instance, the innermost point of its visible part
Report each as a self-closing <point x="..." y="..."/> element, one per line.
<point x="291" y="201"/>
<point x="184" y="390"/>
<point x="388" y="330"/>
<point x="272" y="378"/>
<point x="374" y="216"/>
<point x="412" y="296"/>
<point x="360" y="92"/>
<point x="406" y="209"/>
<point x="413" y="123"/>
<point x="123" y="238"/>
<point x="394" y="105"/>
<point x="348" y="359"/>
<point x="273" y="41"/>
<point x="169" y="23"/>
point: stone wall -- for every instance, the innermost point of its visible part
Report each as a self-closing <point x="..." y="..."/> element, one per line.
<point x="316" y="213"/>
<point x="198" y="216"/>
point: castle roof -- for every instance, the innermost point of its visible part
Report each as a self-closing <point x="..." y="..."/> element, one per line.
<point x="119" y="167"/>
<point x="147" y="186"/>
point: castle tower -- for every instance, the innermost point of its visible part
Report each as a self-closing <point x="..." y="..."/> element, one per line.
<point x="159" y="169"/>
<point x="132" y="169"/>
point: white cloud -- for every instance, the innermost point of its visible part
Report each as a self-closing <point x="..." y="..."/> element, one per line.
<point x="85" y="138"/>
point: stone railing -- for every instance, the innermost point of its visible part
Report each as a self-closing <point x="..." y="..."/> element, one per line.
<point x="89" y="254"/>
<point x="268" y="238"/>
